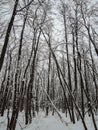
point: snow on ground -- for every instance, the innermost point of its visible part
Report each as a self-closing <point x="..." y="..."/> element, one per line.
<point x="47" y="123"/>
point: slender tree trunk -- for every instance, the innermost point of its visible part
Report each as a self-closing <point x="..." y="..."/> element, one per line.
<point x="28" y="115"/>
<point x="2" y="87"/>
<point x="75" y="68"/>
<point x="53" y="84"/>
<point x="48" y="84"/>
<point x="94" y="76"/>
<point x="81" y="85"/>
<point x="68" y="65"/>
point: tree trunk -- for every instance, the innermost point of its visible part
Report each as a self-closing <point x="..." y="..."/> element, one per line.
<point x="8" y="35"/>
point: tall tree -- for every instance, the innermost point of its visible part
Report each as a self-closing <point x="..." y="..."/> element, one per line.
<point x="7" y="36"/>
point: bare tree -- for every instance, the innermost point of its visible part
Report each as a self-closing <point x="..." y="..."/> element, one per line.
<point x="8" y="34"/>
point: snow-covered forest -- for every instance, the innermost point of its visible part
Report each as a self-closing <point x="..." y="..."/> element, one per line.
<point x="48" y="65"/>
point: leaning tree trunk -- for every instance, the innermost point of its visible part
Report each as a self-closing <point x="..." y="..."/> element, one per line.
<point x="6" y="40"/>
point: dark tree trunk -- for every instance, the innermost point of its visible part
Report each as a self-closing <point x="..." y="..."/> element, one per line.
<point x="48" y="84"/>
<point x="6" y="93"/>
<point x="2" y="87"/>
<point x="8" y="35"/>
<point x="68" y="66"/>
<point x="16" y="102"/>
<point x="28" y="115"/>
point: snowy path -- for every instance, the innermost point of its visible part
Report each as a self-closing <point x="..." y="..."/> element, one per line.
<point x="50" y="123"/>
<point x="46" y="123"/>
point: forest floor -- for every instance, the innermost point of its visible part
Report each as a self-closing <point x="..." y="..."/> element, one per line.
<point x="41" y="122"/>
